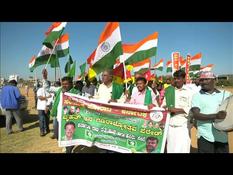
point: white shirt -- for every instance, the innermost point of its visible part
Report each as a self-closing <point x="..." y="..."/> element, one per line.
<point x="41" y="104"/>
<point x="104" y="93"/>
<point x="183" y="100"/>
<point x="59" y="109"/>
<point x="193" y="87"/>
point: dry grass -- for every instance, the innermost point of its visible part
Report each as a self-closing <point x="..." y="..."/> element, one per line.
<point x="30" y="141"/>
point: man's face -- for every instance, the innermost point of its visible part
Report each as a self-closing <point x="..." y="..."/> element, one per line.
<point x="179" y="81"/>
<point x="70" y="131"/>
<point x="141" y="85"/>
<point x="151" y="145"/>
<point x="66" y="86"/>
<point x="72" y="110"/>
<point x="65" y="110"/>
<point x="106" y="78"/>
<point x="207" y="84"/>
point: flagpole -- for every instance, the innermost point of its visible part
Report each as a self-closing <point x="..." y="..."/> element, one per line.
<point x="55" y="73"/>
<point x="125" y="74"/>
<point x="155" y="68"/>
<point x="59" y="71"/>
<point x="51" y="53"/>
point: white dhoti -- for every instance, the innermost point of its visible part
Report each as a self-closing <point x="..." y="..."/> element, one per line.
<point x="178" y="139"/>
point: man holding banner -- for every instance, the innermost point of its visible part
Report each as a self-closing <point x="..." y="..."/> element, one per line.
<point x="178" y="101"/>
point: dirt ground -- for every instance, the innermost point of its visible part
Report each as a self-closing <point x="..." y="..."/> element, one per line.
<point x="30" y="141"/>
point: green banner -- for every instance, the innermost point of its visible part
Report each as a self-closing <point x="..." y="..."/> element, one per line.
<point x="124" y="128"/>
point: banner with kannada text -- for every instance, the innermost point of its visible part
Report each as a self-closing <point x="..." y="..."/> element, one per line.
<point x="118" y="127"/>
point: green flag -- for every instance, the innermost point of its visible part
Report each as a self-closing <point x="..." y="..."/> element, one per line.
<point x="68" y="64"/>
<point x="71" y="73"/>
<point x="54" y="62"/>
<point x="82" y="69"/>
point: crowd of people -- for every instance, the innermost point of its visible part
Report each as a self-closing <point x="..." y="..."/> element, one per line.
<point x="190" y="105"/>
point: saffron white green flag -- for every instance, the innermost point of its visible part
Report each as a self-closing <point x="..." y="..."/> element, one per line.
<point x="53" y="33"/>
<point x="108" y="50"/>
<point x="146" y="48"/>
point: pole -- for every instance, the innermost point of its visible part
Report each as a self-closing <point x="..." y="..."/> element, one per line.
<point x="51" y="53"/>
<point x="125" y="74"/>
<point x="55" y="74"/>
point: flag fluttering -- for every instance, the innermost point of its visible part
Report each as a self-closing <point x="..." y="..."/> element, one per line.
<point x="108" y="50"/>
<point x="159" y="65"/>
<point x="169" y="66"/>
<point x="53" y="33"/>
<point x="68" y="64"/>
<point x="142" y="50"/>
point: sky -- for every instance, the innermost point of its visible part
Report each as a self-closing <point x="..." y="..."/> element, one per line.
<point x="21" y="40"/>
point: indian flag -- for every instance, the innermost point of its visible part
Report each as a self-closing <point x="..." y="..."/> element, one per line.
<point x="209" y="67"/>
<point x="141" y="66"/>
<point x="144" y="49"/>
<point x="32" y="62"/>
<point x="53" y="33"/>
<point x="159" y="65"/>
<point x="195" y="62"/>
<point x="42" y="58"/>
<point x="62" y="47"/>
<point x="108" y="50"/>
<point x="169" y="66"/>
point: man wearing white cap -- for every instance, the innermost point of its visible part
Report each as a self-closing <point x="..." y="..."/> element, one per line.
<point x="204" y="110"/>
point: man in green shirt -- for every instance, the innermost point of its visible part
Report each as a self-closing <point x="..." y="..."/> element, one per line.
<point x="67" y="86"/>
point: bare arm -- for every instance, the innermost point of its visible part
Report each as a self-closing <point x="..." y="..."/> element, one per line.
<point x="176" y="111"/>
<point x="200" y="116"/>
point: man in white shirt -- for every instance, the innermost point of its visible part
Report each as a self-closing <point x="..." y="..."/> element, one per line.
<point x="44" y="100"/>
<point x="104" y="92"/>
<point x="178" y="138"/>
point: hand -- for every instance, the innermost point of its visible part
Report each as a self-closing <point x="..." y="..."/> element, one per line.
<point x="90" y="97"/>
<point x="195" y="110"/>
<point x="46" y="110"/>
<point x="44" y="73"/>
<point x="150" y="106"/>
<point x="127" y="100"/>
<point x="112" y="100"/>
<point x="221" y="115"/>
<point x="174" y="111"/>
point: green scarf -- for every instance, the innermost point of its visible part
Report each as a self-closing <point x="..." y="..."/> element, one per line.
<point x="117" y="90"/>
<point x="57" y="99"/>
<point x="148" y="97"/>
<point x="170" y="96"/>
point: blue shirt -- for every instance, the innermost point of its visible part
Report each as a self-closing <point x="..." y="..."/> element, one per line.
<point x="209" y="104"/>
<point x="10" y="97"/>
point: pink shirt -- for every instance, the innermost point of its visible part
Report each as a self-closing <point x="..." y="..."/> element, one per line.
<point x="139" y="97"/>
<point x="161" y="96"/>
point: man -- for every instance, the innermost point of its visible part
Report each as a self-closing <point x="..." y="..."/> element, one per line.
<point x="35" y="88"/>
<point x="65" y="110"/>
<point x="10" y="97"/>
<point x="108" y="90"/>
<point x="72" y="110"/>
<point x="151" y="145"/>
<point x="194" y="86"/>
<point x="43" y="102"/>
<point x="204" y="110"/>
<point x="88" y="89"/>
<point x="143" y="96"/>
<point x="168" y="82"/>
<point x="178" y="101"/>
<point x="56" y="112"/>
<point x="69" y="130"/>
